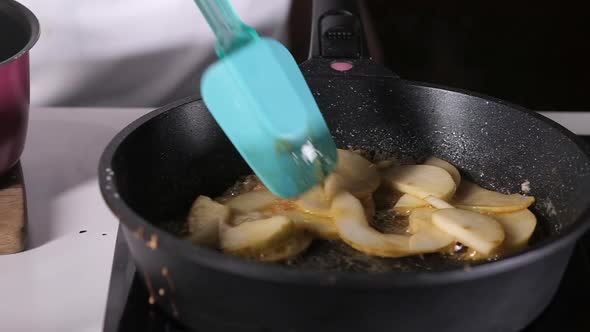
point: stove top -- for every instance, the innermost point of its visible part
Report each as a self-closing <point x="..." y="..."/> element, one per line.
<point x="128" y="308"/>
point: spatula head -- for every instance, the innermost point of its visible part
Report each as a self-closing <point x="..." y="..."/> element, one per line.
<point x="260" y="99"/>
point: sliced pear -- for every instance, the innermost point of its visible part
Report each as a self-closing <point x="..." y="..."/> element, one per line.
<point x="322" y="227"/>
<point x="269" y="239"/>
<point x="480" y="232"/>
<point x="422" y="181"/>
<point x="291" y="248"/>
<point x="240" y="218"/>
<point x="252" y="201"/>
<point x="319" y="223"/>
<point x="204" y="219"/>
<point x="438" y="203"/>
<point x="420" y="219"/>
<point x="257" y="235"/>
<point x="453" y="171"/>
<point x="470" y="196"/>
<point x="384" y="164"/>
<point x="314" y="201"/>
<point x="354" y="174"/>
<point x="425" y="242"/>
<point x="353" y="228"/>
<point x="427" y="237"/>
<point x="333" y="184"/>
<point x="518" y="226"/>
<point x="407" y="203"/>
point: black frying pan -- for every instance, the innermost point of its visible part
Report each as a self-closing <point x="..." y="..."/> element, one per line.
<point x="152" y="171"/>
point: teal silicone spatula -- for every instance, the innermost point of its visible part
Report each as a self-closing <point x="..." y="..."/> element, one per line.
<point x="258" y="96"/>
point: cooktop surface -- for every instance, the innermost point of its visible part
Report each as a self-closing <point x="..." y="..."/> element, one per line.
<point x="128" y="308"/>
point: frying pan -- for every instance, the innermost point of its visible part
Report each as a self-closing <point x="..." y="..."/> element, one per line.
<point x="153" y="170"/>
<point x="19" y="32"/>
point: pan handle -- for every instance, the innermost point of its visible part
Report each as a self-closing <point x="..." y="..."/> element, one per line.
<point x="337" y="30"/>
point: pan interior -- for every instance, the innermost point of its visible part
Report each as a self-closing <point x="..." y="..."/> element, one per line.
<point x="162" y="166"/>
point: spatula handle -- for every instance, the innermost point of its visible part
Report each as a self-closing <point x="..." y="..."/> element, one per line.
<point x="230" y="31"/>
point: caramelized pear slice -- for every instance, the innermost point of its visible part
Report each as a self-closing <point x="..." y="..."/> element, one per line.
<point x="384" y="164"/>
<point x="353" y="228"/>
<point x="453" y="171"/>
<point x="407" y="203"/>
<point x="422" y="181"/>
<point x="204" y="219"/>
<point x="438" y="203"/>
<point x="428" y="242"/>
<point x="421" y="219"/>
<point x="353" y="174"/>
<point x="271" y="239"/>
<point x="322" y="227"/>
<point x="478" y="231"/>
<point x="427" y="237"/>
<point x="518" y="226"/>
<point x="470" y="196"/>
<point x="314" y="201"/>
<point x="252" y="201"/>
<point x="240" y="218"/>
<point x="289" y="249"/>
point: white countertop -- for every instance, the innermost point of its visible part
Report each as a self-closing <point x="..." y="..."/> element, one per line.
<point x="61" y="282"/>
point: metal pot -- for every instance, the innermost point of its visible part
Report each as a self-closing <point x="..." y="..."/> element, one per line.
<point x="19" y="31"/>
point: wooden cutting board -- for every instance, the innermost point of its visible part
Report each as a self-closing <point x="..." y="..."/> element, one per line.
<point x="12" y="212"/>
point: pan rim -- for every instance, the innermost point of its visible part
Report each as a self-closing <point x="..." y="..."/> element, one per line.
<point x="359" y="280"/>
